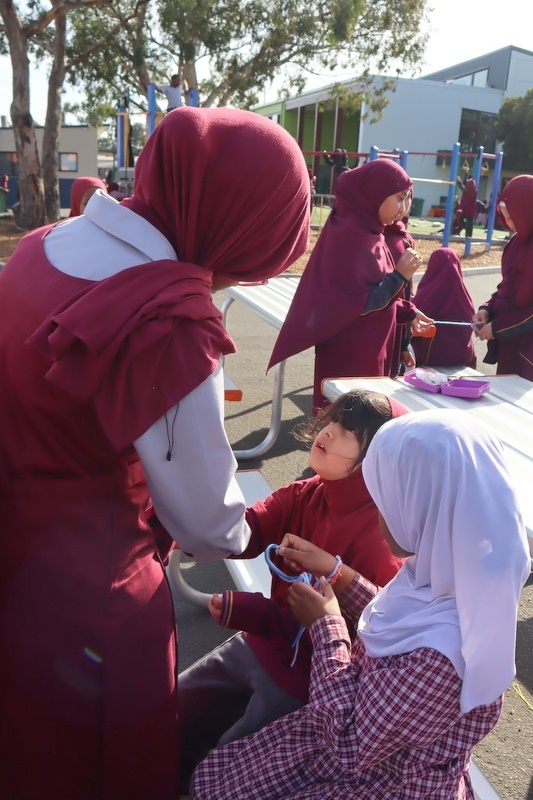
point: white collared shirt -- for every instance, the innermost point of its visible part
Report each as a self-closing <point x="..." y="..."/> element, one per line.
<point x="195" y="494"/>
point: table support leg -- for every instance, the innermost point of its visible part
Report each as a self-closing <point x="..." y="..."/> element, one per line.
<point x="275" y="418"/>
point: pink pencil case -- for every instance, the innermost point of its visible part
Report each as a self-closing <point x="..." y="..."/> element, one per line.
<point x="431" y="381"/>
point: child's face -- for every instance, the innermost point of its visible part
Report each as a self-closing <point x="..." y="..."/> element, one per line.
<point x="392" y="544"/>
<point x="334" y="452"/>
<point x="395" y="207"/>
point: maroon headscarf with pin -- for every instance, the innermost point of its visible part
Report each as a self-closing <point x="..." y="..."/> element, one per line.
<point x="227" y="189"/>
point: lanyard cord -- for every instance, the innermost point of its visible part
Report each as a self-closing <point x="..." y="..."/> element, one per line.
<point x="303" y="577"/>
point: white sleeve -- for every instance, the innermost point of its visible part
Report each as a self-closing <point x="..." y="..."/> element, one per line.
<point x="195" y="494"/>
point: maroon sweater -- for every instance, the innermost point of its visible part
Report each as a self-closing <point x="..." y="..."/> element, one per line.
<point x="338" y="516"/>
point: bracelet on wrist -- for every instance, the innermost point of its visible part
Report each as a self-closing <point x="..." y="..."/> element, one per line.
<point x="335" y="573"/>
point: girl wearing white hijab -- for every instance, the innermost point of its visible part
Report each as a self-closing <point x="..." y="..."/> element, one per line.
<point x="397" y="713"/>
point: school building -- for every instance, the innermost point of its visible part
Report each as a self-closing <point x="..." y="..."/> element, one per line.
<point x="425" y="117"/>
<point x="77" y="156"/>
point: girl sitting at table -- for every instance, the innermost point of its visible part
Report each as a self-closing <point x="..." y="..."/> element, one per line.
<point x="258" y="676"/>
<point x="398" y="711"/>
<point x="351" y="297"/>
<point x="443" y="295"/>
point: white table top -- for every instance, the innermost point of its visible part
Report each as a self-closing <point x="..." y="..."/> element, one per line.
<point x="270" y="300"/>
<point x="507" y="408"/>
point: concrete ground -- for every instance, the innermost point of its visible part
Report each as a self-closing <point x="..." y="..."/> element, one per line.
<point x="505" y="755"/>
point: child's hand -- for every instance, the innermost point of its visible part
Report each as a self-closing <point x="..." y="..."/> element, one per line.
<point x="215" y="607"/>
<point x="480" y="319"/>
<point x="408" y="263"/>
<point x="304" y="556"/>
<point x="421" y="323"/>
<point x="308" y="605"/>
<point x="485" y="332"/>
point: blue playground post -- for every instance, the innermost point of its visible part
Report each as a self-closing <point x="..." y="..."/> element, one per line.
<point x="495" y="185"/>
<point x="374" y="153"/>
<point x="456" y="151"/>
<point x="121" y="136"/>
<point x="193" y="97"/>
<point x="476" y="176"/>
<point x="150" y="118"/>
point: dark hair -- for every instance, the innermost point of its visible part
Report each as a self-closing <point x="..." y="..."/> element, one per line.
<point x="361" y="411"/>
<point x="174" y="76"/>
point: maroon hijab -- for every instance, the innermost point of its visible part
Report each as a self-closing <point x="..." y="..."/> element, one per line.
<point x="442" y="294"/>
<point x="518" y="253"/>
<point x="228" y="188"/>
<point x="349" y="257"/>
<point x="78" y="189"/>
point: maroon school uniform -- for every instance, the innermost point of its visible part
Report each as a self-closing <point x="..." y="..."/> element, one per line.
<point x="442" y="294"/>
<point x="87" y="633"/>
<point x="511" y="306"/>
<point x="338" y="516"/>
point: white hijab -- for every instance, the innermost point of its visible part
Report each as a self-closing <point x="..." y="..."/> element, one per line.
<point x="440" y="481"/>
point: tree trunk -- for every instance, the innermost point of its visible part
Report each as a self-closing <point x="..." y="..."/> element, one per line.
<point x="52" y="126"/>
<point x="31" y="192"/>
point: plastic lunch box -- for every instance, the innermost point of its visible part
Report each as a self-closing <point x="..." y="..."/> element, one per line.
<point x="431" y="381"/>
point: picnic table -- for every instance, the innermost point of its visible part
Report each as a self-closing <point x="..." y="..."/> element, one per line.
<point x="271" y="302"/>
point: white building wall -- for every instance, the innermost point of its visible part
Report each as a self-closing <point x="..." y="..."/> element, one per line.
<point x="424" y="116"/>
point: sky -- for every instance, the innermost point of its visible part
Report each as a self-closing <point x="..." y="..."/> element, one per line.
<point x="459" y="30"/>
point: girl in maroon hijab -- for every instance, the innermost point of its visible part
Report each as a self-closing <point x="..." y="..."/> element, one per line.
<point x="350" y="298"/>
<point x="443" y="295"/>
<point x="81" y="192"/>
<point x="506" y="320"/>
<point x="110" y="355"/>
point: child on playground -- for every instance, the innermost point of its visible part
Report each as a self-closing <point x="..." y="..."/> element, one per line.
<point x="351" y="297"/>
<point x="505" y="320"/>
<point x="397" y="712"/>
<point x="257" y="676"/>
<point x="444" y="296"/>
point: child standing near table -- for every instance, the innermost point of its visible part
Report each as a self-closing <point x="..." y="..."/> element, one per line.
<point x="397" y="713"/>
<point x="351" y="297"/>
<point x="444" y="296"/>
<point x="258" y="676"/>
<point x="506" y="319"/>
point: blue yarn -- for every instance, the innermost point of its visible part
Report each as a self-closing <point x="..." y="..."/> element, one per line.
<point x="303" y="577"/>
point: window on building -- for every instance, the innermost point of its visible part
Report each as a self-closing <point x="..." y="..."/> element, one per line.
<point x="479" y="78"/>
<point x="477" y="129"/>
<point x="9" y="164"/>
<point x="68" y="162"/>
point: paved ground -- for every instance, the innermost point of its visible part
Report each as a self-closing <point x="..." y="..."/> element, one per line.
<point x="506" y="755"/>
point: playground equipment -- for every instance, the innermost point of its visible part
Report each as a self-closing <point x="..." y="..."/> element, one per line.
<point x="153" y="118"/>
<point x="480" y="164"/>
